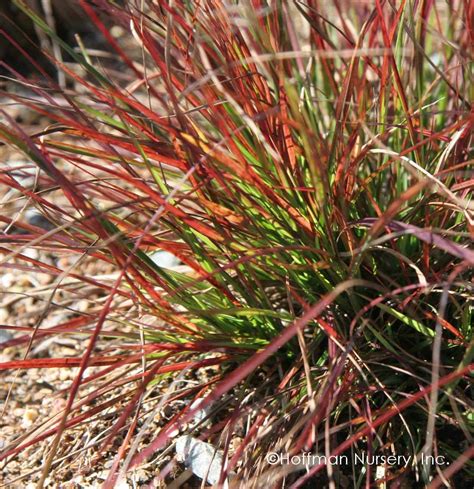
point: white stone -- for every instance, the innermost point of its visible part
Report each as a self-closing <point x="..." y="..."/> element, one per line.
<point x="202" y="458"/>
<point x="165" y="259"/>
<point x="201" y="414"/>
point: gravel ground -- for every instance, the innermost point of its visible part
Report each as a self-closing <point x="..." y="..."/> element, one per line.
<point x="30" y="398"/>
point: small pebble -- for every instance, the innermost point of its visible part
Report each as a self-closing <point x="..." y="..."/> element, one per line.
<point x="4" y="315"/>
<point x="65" y="374"/>
<point x="36" y="219"/>
<point x="5" y="335"/>
<point x="82" y="305"/>
<point x="7" y="280"/>
<point x="123" y="484"/>
<point x="31" y="253"/>
<point x="58" y="405"/>
<point x="44" y="278"/>
<point x="29" y="417"/>
<point x="18" y="412"/>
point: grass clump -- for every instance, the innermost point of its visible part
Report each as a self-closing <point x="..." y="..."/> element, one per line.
<point x="309" y="165"/>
